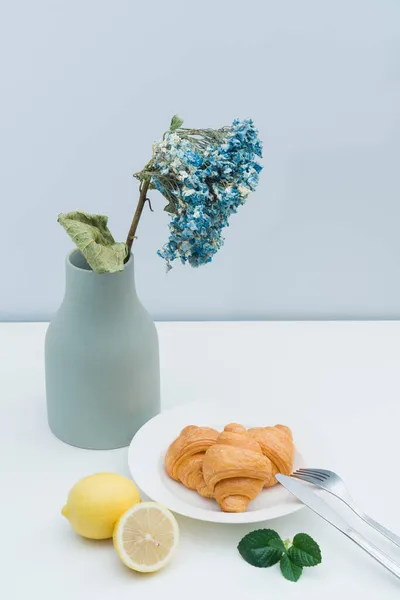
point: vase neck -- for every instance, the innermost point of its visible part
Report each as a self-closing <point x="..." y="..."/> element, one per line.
<point x="94" y="289"/>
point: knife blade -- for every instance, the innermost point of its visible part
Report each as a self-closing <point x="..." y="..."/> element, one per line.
<point x="307" y="495"/>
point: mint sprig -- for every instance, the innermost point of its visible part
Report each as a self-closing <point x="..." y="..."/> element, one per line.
<point x="304" y="552"/>
<point x="289" y="569"/>
<point x="257" y="548"/>
<point x="264" y="548"/>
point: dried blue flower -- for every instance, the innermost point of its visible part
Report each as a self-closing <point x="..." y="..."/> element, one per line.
<point x="205" y="176"/>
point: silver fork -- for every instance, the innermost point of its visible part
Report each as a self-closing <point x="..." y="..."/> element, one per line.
<point x="332" y="483"/>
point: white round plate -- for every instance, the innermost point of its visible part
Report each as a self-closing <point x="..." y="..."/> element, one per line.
<point x="146" y="463"/>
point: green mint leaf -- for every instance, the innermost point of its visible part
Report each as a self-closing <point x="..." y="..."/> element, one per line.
<point x="176" y="123"/>
<point x="305" y="552"/>
<point x="255" y="548"/>
<point x="93" y="238"/>
<point x="290" y="570"/>
<point x="277" y="544"/>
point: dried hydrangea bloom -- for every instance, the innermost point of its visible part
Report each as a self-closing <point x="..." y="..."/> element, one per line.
<point x="205" y="176"/>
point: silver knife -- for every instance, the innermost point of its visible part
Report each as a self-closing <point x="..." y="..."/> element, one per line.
<point x="305" y="493"/>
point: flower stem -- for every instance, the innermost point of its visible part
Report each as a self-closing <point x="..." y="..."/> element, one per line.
<point x="138" y="213"/>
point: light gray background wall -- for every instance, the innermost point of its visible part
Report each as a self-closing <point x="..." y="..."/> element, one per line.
<point x="86" y="86"/>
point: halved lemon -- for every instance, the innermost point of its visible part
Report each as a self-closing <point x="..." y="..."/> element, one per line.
<point x="146" y="537"/>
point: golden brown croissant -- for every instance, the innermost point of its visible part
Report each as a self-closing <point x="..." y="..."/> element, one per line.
<point x="184" y="458"/>
<point x="277" y="445"/>
<point x="235" y="469"/>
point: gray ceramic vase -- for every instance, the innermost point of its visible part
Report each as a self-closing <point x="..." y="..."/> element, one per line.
<point x="102" y="363"/>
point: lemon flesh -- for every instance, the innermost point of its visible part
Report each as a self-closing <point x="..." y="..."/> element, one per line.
<point x="146" y="537"/>
<point x="96" y="503"/>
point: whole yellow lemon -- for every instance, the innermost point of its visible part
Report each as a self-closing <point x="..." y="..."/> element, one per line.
<point x="96" y="503"/>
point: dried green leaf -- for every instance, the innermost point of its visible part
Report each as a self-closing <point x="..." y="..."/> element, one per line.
<point x="176" y="123"/>
<point x="93" y="238"/>
<point x="170" y="208"/>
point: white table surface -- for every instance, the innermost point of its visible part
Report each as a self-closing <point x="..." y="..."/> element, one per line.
<point x="336" y="384"/>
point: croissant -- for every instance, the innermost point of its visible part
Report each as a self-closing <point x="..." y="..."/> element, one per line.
<point x="184" y="458"/>
<point x="277" y="445"/>
<point x="235" y="469"/>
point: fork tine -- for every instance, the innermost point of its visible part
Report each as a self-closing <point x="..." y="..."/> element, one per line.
<point x="313" y="480"/>
<point x="316" y="472"/>
<point x="323" y="471"/>
<point x="311" y="472"/>
<point x="309" y="475"/>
